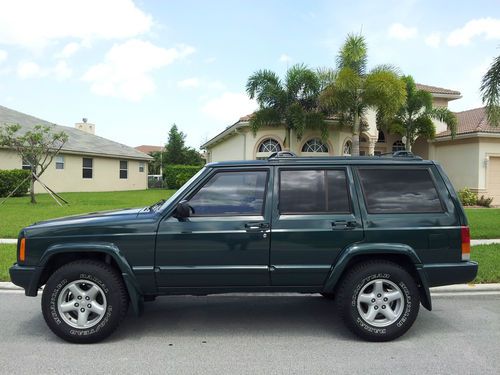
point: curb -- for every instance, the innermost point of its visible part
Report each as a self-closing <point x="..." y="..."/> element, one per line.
<point x="458" y="288"/>
<point x="7" y="240"/>
<point x="484" y="242"/>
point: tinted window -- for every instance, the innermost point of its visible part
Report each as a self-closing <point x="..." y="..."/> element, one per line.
<point x="231" y="193"/>
<point x="123" y="169"/>
<point x="314" y="191"/>
<point x="399" y="191"/>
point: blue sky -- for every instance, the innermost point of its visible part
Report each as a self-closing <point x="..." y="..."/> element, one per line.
<point x="135" y="67"/>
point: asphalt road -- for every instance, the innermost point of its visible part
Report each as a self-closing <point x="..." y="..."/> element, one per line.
<point x="255" y="335"/>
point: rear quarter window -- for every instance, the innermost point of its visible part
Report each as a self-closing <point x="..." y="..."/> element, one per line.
<point x="399" y="190"/>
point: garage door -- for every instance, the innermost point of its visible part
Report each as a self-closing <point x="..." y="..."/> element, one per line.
<point x="494" y="180"/>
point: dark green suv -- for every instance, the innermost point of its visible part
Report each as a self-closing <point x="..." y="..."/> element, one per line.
<point x="372" y="233"/>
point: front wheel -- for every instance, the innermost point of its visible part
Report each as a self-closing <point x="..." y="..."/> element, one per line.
<point x="84" y="301"/>
<point x="378" y="300"/>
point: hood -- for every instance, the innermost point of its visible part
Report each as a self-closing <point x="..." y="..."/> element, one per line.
<point x="92" y="216"/>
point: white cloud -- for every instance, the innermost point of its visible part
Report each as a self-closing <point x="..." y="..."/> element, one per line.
<point x="3" y="56"/>
<point x="489" y="27"/>
<point x="62" y="70"/>
<point x="29" y="69"/>
<point x="47" y="21"/>
<point x="229" y="107"/>
<point x="69" y="50"/>
<point x="401" y="32"/>
<point x="189" y="83"/>
<point x="209" y="60"/>
<point x="285" y="58"/>
<point x="127" y="67"/>
<point x="433" y="40"/>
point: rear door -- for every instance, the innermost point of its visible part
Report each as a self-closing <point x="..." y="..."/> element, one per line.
<point x="315" y="216"/>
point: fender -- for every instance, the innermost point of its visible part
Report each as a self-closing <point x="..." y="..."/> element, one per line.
<point x="133" y="288"/>
<point x="379" y="249"/>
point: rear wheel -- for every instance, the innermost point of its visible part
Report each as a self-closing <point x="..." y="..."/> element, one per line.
<point x="84" y="301"/>
<point x="378" y="300"/>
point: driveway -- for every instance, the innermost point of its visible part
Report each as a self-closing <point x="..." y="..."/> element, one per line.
<point x="256" y="334"/>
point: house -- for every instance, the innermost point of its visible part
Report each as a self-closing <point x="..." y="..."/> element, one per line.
<point x="471" y="159"/>
<point x="86" y="162"/>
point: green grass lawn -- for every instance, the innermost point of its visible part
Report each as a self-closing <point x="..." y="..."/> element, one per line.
<point x="17" y="213"/>
<point x="488" y="257"/>
<point x="484" y="222"/>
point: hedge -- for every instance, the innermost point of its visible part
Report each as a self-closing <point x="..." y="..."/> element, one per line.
<point x="177" y="175"/>
<point x="10" y="179"/>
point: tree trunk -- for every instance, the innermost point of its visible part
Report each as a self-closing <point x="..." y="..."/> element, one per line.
<point x="286" y="143"/>
<point x="32" y="190"/>
<point x="408" y="142"/>
<point x="355" y="135"/>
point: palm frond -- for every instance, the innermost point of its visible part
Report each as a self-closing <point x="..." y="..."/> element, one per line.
<point x="326" y="76"/>
<point x="265" y="117"/>
<point x="445" y="115"/>
<point x="490" y="92"/>
<point x="385" y="90"/>
<point x="296" y="119"/>
<point x="316" y="120"/>
<point x="265" y="86"/>
<point x="302" y="83"/>
<point x="424" y="127"/>
<point x="353" y="54"/>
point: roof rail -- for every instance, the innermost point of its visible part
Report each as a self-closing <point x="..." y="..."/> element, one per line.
<point x="282" y="154"/>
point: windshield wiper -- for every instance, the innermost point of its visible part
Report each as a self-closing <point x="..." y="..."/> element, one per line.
<point x="159" y="203"/>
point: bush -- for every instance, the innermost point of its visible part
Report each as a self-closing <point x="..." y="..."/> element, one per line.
<point x="176" y="175"/>
<point x="467" y="197"/>
<point x="484" y="201"/>
<point x="10" y="179"/>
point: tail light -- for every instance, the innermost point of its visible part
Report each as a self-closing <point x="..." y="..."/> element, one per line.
<point x="465" y="235"/>
<point x="22" y="250"/>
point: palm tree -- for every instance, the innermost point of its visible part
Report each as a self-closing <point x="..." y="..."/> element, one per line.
<point x="414" y="117"/>
<point x="354" y="89"/>
<point x="490" y="92"/>
<point x="292" y="102"/>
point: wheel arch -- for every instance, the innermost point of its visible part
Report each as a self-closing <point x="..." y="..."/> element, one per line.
<point x="59" y="254"/>
<point x="401" y="254"/>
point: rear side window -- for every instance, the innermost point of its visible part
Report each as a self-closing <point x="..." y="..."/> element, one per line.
<point x="313" y="191"/>
<point x="399" y="191"/>
<point x="231" y="193"/>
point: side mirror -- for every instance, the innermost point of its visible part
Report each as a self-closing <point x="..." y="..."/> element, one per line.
<point x="183" y="210"/>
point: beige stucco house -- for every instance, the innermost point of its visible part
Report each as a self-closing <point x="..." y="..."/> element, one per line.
<point x="86" y="162"/>
<point x="471" y="159"/>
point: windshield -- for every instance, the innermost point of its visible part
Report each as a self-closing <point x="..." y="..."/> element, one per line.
<point x="182" y="189"/>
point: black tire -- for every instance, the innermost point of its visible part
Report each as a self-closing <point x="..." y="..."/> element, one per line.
<point x="361" y="281"/>
<point x="111" y="293"/>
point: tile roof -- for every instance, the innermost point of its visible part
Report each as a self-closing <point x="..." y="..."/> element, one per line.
<point x="437" y="90"/>
<point x="472" y="121"/>
<point x="149" y="148"/>
<point x="78" y="141"/>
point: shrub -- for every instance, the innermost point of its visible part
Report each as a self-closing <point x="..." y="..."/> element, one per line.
<point x="467" y="197"/>
<point x="176" y="175"/>
<point x="484" y="201"/>
<point x="10" y="179"/>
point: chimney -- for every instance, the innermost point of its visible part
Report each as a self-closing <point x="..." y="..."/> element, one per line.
<point x="85" y="126"/>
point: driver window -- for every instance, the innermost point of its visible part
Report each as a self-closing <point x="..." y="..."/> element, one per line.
<point x="231" y="193"/>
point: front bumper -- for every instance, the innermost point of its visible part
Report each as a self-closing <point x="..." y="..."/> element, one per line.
<point x="25" y="277"/>
<point x="450" y="273"/>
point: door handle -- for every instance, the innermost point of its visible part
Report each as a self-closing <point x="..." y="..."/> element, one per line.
<point x="256" y="227"/>
<point x="344" y="224"/>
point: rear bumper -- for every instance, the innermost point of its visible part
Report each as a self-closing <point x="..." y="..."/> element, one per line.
<point x="25" y="277"/>
<point x="450" y="273"/>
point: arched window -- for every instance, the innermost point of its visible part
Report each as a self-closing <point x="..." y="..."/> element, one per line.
<point x="314" y="145"/>
<point x="398" y="146"/>
<point x="347" y="150"/>
<point x="363" y="139"/>
<point x="269" y="145"/>
<point x="381" y="137"/>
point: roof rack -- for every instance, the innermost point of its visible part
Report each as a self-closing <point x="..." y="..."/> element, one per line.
<point x="282" y="154"/>
<point x="400" y="154"/>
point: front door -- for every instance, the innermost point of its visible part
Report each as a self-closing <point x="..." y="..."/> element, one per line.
<point x="225" y="242"/>
<point x="316" y="215"/>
